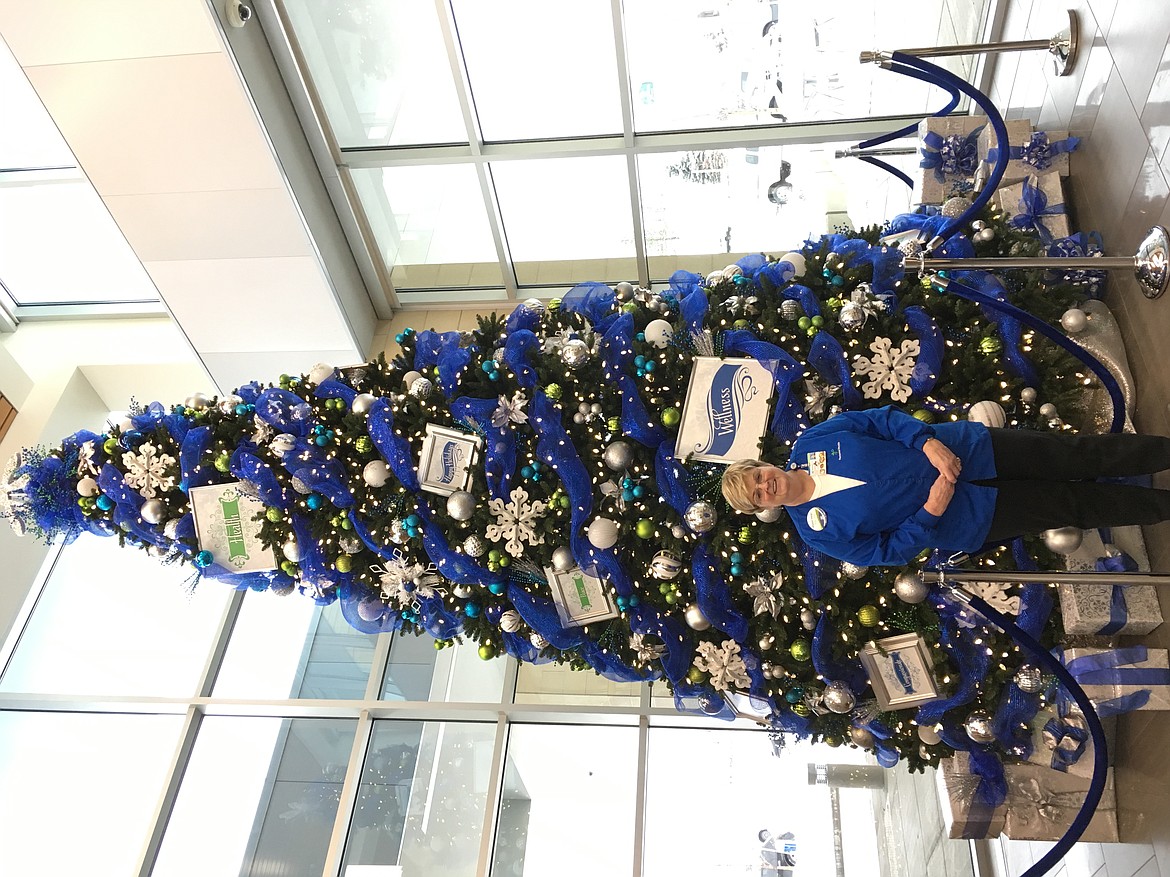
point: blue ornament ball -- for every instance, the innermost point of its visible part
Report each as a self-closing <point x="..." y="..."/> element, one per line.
<point x="204" y="559"/>
<point x="471" y="610"/>
<point x="496" y="587"/>
<point x="104" y="503"/>
<point x="313" y="501"/>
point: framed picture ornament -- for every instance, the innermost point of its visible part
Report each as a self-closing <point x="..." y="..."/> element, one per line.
<point x="579" y="597"/>
<point x="446" y="460"/>
<point x="901" y="671"/>
<point x="725" y="411"/>
<point x="226" y="525"/>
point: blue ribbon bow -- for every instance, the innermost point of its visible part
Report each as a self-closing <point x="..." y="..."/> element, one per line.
<point x="1033" y="209"/>
<point x="950" y="155"/>
<point x="1039" y="152"/>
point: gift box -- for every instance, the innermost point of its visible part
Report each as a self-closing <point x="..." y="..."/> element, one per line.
<point x="1030" y="153"/>
<point x="1061" y="740"/>
<point x="1042" y="803"/>
<point x="1088" y="608"/>
<point x="949" y="156"/>
<point x="963" y="816"/>
<point x="1036" y="205"/>
<point x="1019" y="132"/>
<point x="1121" y="680"/>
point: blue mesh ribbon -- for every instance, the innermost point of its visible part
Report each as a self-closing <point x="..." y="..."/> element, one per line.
<point x="692" y="300"/>
<point x="193" y="472"/>
<point x="1056" y="731"/>
<point x="711" y="594"/>
<point x="810" y="302"/>
<point x="887" y="756"/>
<point x="971" y="661"/>
<point x="395" y="450"/>
<point x="436" y="619"/>
<point x="1033" y="208"/>
<point x="1006" y="324"/>
<point x="516" y="350"/>
<point x="363" y="532"/>
<point x="931" y="348"/>
<point x="444" y="350"/>
<point x="1038" y="152"/>
<point x="522" y="317"/>
<point x="386" y="622"/>
<point x="592" y="300"/>
<point x="617" y="354"/>
<point x="952" y="154"/>
<point x="331" y="388"/>
<point x="452" y="564"/>
<point x="499" y="461"/>
<point x="820" y="570"/>
<point x="246" y="466"/>
<point x="985" y="764"/>
<point x="326" y="477"/>
<point x="676" y="638"/>
<point x="285" y="411"/>
<point x="828" y="358"/>
<point x="540" y="614"/>
<point x="670" y="479"/>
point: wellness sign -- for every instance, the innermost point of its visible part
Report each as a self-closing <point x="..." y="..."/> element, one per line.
<point x="725" y="414"/>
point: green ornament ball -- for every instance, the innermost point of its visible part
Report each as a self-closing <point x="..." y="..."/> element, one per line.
<point x="832" y="740"/>
<point x="487" y="651"/>
<point x="800" y="650"/>
<point x="746" y="535"/>
<point x="741" y="324"/>
<point x="630" y="307"/>
<point x="564" y="502"/>
<point x="924" y="415"/>
<point x="695" y="675"/>
<point x="554" y="304"/>
<point x="110" y="445"/>
<point x="644" y="528"/>
<point x="803" y="323"/>
<point x="869" y="616"/>
<point x="990" y="345"/>
<point x="801" y="709"/>
<point x="363" y="444"/>
<point x="273" y="514"/>
<point x="671" y="417"/>
<point x="613" y="424"/>
<point x="553" y="391"/>
<point x="818" y="321"/>
<point x="344" y="563"/>
<point x="223" y="462"/>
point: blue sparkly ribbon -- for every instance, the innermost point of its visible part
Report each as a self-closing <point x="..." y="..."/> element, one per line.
<point x="931" y="348"/>
<point x="1033" y="209"/>
<point x="1120" y="562"/>
<point x="617" y="355"/>
<point x="950" y="155"/>
<point x="1114" y="667"/>
<point x="499" y="461"/>
<point x="711" y="594"/>
<point x="284" y="411"/>
<point x="828" y="357"/>
<point x="395" y="450"/>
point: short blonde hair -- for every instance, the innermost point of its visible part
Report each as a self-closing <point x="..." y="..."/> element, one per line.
<point x="735" y="485"/>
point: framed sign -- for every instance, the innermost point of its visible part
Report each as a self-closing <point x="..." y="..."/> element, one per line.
<point x="725" y="412"/>
<point x="579" y="597"/>
<point x="447" y="457"/>
<point x="900" y="671"/>
<point x="225" y="525"/>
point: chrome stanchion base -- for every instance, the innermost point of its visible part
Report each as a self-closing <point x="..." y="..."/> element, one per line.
<point x="1152" y="262"/>
<point x="1063" y="46"/>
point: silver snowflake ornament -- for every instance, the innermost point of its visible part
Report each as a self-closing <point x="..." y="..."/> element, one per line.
<point x="889" y="370"/>
<point x="516" y="521"/>
<point x="403" y="582"/>
<point x="85" y="459"/>
<point x="723" y="664"/>
<point x="148" y="470"/>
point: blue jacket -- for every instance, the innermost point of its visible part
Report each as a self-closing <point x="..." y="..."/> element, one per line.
<point x="882" y="522"/>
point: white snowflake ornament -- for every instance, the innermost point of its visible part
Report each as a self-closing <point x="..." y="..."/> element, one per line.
<point x="402" y="582"/>
<point x="147" y="470"/>
<point x="516" y="521"/>
<point x="723" y="664"/>
<point x="889" y="370"/>
<point x="85" y="459"/>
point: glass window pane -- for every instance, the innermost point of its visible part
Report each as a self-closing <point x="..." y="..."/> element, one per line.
<point x="116" y="621"/>
<point x="431" y="225"/>
<point x="559" y="684"/>
<point x="555" y="777"/>
<point x="28" y="137"/>
<point x="381" y="70"/>
<point x="720" y="205"/>
<point x="46" y="213"/>
<point x="290" y="647"/>
<point x="567" y="219"/>
<point x="80" y="789"/>
<point x="512" y="46"/>
<point x="422" y="797"/>
<point x="746" y="64"/>
<point x="259" y="797"/>
<point x="456" y="674"/>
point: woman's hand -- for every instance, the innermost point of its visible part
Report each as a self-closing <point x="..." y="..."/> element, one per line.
<point x="942" y="459"/>
<point x="941" y="493"/>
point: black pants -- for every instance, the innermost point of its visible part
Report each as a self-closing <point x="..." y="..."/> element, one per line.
<point x="1045" y="480"/>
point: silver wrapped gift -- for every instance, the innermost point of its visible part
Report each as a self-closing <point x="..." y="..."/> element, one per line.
<point x="1042" y="804"/>
<point x="963" y="815"/>
<point x="928" y="187"/>
<point x="1141" y="673"/>
<point x="1064" y="741"/>
<point x="1019" y="131"/>
<point x="1047" y="225"/>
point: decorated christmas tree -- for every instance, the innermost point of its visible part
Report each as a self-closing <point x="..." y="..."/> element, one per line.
<point x="533" y="486"/>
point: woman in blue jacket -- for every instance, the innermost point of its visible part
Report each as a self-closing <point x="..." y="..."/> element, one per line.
<point x="878" y="487"/>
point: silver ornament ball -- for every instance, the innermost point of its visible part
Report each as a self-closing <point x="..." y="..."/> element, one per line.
<point x="987" y="412"/>
<point x="409" y="378"/>
<point x="461" y="505"/>
<point x="766" y="642"/>
<point x="696" y="619"/>
<point x="362" y="403"/>
<point x="623" y="291"/>
<point x="955" y="206"/>
<point x="574" y="353"/>
<point x="1074" y="320"/>
<point x="854" y="571"/>
<point x="602" y="533"/>
<point x="929" y="734"/>
<point x="851" y="316"/>
<point x="1028" y="394"/>
<point x="701" y="516"/>
<point x="153" y="511"/>
<point x="227" y="405"/>
<point x="862" y="738"/>
<point x="510" y="621"/>
<point x="376" y="473"/>
<point x="808" y="619"/>
<point x="978" y="727"/>
<point x="617" y="456"/>
<point x="790" y="309"/>
<point x="171" y="529"/>
<point x="665" y="566"/>
<point x="88" y="487"/>
<point x="538" y="641"/>
<point x="1063" y="540"/>
<point x="562" y="559"/>
<point x="678" y="531"/>
<point x="1030" y="679"/>
<point x="291" y="551"/>
<point x="910" y="587"/>
<point x="985" y="234"/>
<point x="474" y="546"/>
<point x="839" y="698"/>
<point x="769" y="516"/>
<point x="421" y="388"/>
<point x="462" y="591"/>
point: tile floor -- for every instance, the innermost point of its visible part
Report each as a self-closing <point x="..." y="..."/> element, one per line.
<point x="1118" y="101"/>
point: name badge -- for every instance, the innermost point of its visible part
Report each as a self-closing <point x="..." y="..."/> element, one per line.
<point x="817" y="463"/>
<point x="817" y="518"/>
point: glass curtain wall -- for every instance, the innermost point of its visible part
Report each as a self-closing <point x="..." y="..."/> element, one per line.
<point x="504" y="149"/>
